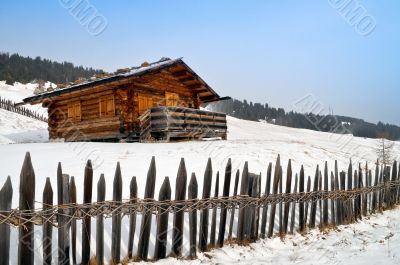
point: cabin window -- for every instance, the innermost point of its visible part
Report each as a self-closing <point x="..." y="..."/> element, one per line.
<point x="171" y="99"/>
<point x="107" y="108"/>
<point x="74" y="111"/>
<point x="144" y="103"/>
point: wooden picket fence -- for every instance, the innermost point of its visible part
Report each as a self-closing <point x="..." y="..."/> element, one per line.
<point x="11" y="106"/>
<point x="339" y="197"/>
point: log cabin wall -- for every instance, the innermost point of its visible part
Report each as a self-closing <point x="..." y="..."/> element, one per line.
<point x="86" y="115"/>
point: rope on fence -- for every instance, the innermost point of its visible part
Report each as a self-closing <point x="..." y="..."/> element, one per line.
<point x="18" y="217"/>
<point x="10" y="105"/>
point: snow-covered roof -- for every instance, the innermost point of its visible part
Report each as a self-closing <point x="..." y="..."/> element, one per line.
<point x="133" y="72"/>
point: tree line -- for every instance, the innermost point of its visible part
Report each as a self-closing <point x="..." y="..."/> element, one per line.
<point x="327" y="123"/>
<point x="17" y="68"/>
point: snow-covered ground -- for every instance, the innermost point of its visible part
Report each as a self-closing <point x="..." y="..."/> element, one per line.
<point x="255" y="142"/>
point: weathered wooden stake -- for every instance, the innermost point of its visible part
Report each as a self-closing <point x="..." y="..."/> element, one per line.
<point x="233" y="209"/>
<point x="242" y="210"/>
<point x="275" y="188"/>
<point x="132" y="217"/>
<point x="180" y="195"/>
<point x="313" y="212"/>
<point x="101" y="196"/>
<point x="116" y="218"/>
<point x="325" y="202"/>
<point x="6" y="194"/>
<point x="203" y="231"/>
<point x="293" y="215"/>
<point x="287" y="191"/>
<point x="143" y="245"/>
<point x="301" y="204"/>
<point x="306" y="203"/>
<point x="265" y="207"/>
<point x="26" y="245"/>
<point x="160" y="250"/>
<point x="193" y="195"/>
<point x="224" y="210"/>
<point x="214" y="214"/>
<point x="72" y="190"/>
<point x="86" y="225"/>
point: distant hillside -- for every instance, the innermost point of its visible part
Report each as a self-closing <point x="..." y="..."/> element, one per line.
<point x="16" y="68"/>
<point x="329" y="123"/>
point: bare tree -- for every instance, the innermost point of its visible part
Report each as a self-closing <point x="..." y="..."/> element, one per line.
<point x="384" y="149"/>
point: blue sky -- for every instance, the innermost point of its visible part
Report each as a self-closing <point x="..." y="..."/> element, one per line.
<point x="265" y="51"/>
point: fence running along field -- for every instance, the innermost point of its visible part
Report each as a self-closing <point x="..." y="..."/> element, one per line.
<point x="339" y="198"/>
<point x="11" y="106"/>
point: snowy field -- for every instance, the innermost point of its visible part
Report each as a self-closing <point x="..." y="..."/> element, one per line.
<point x="255" y="142"/>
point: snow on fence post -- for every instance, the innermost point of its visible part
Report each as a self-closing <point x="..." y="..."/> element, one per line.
<point x="192" y="196"/>
<point x="72" y="191"/>
<point x="203" y="231"/>
<point x="132" y="216"/>
<point x="265" y="206"/>
<point x="145" y="229"/>
<point x="6" y="194"/>
<point x="160" y="249"/>
<point x="26" y="202"/>
<point x="47" y="226"/>
<point x="180" y="195"/>
<point x="214" y="214"/>
<point x="274" y="192"/>
<point x="287" y="191"/>
<point x="232" y="218"/>
<point x="292" y="221"/>
<point x="116" y="218"/>
<point x="313" y="212"/>
<point x="86" y="225"/>
<point x="301" y="204"/>
<point x="224" y="210"/>
<point x="242" y="208"/>
<point x="101" y="196"/>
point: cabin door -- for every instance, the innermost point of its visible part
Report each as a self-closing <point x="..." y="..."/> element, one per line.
<point x="171" y="99"/>
<point x="145" y="102"/>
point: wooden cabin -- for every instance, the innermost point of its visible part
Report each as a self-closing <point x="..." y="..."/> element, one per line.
<point x="158" y="101"/>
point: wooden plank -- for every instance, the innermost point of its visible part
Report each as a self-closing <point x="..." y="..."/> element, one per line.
<point x="143" y="245"/>
<point x="6" y="194"/>
<point x="203" y="230"/>
<point x="26" y="245"/>
<point x="132" y="216"/>
<point x="293" y="215"/>
<point x="224" y="210"/>
<point x="287" y="191"/>
<point x="160" y="250"/>
<point x="242" y="210"/>
<point x="234" y="208"/>
<point x="307" y="203"/>
<point x="193" y="195"/>
<point x="86" y="225"/>
<point x="281" y="230"/>
<point x="325" y="210"/>
<point x="301" y="204"/>
<point x="343" y="204"/>
<point x="72" y="190"/>
<point x="350" y="203"/>
<point x="47" y="226"/>
<point x="313" y="212"/>
<point x="214" y="215"/>
<point x="255" y="193"/>
<point x="275" y="188"/>
<point x="180" y="195"/>
<point x="116" y="217"/>
<point x="338" y="206"/>
<point x="333" y="209"/>
<point x="265" y="207"/>
<point x="64" y="240"/>
<point x="101" y="196"/>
